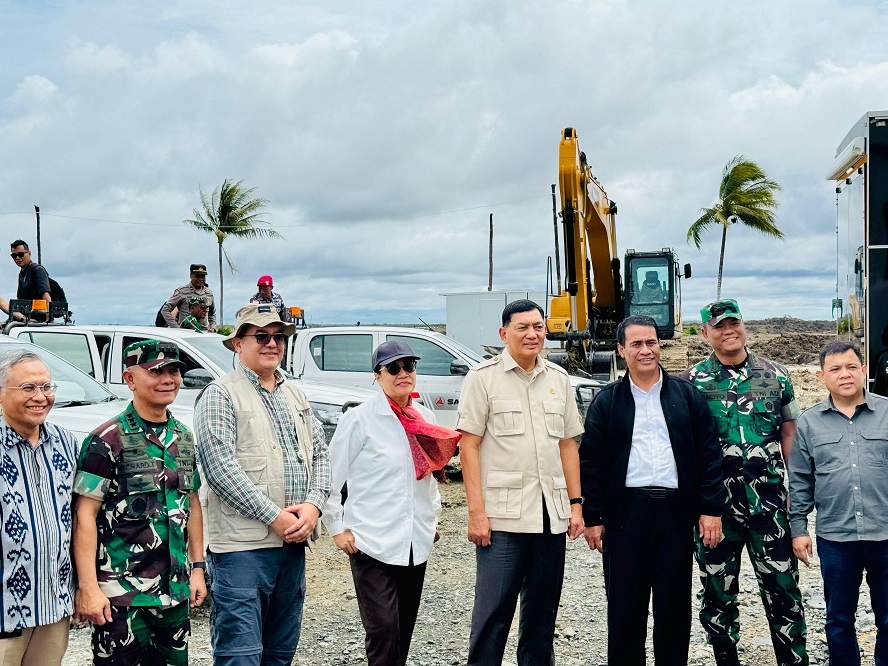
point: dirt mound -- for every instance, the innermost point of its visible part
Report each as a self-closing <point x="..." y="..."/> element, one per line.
<point x="785" y="348"/>
<point x="790" y="325"/>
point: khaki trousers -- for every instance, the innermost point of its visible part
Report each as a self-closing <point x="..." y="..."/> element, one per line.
<point x="37" y="646"/>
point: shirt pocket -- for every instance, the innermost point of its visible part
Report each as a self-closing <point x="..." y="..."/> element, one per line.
<point x="252" y="432"/>
<point x="503" y="496"/>
<point x="508" y="417"/>
<point x="240" y="528"/>
<point x="142" y="475"/>
<point x="875" y="448"/>
<point x="554" y="417"/>
<point x="828" y="451"/>
<point x="765" y="422"/>
<point x="561" y="498"/>
<point x="255" y="468"/>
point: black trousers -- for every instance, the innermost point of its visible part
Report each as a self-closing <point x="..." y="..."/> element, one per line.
<point x="517" y="564"/>
<point x="388" y="598"/>
<point x="652" y="554"/>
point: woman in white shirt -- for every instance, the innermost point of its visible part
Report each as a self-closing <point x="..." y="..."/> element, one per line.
<point x="386" y="450"/>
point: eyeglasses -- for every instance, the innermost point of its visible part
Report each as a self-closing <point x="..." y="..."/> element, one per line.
<point x="264" y="338"/>
<point x="18" y="255"/>
<point x="394" y="368"/>
<point x="31" y="389"/>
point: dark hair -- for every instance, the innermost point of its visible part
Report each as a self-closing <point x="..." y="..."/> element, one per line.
<point x="18" y="242"/>
<point x="839" y="347"/>
<point x="522" y="305"/>
<point x="635" y="320"/>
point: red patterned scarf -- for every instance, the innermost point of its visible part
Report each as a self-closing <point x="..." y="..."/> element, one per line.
<point x="432" y="446"/>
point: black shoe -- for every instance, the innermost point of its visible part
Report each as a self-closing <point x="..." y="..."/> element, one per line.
<point x="726" y="655"/>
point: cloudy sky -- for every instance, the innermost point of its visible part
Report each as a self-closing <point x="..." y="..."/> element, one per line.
<point x="383" y="135"/>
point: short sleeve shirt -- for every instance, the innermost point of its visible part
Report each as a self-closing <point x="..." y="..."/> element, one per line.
<point x="521" y="418"/>
<point x="143" y="476"/>
<point x="749" y="402"/>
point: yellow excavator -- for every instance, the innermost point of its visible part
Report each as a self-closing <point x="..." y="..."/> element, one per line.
<point x="597" y="294"/>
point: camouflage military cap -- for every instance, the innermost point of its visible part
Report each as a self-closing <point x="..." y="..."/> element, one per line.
<point x="197" y="300"/>
<point x="150" y="354"/>
<point x="718" y="310"/>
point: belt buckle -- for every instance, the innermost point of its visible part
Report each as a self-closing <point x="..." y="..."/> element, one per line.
<point x="658" y="493"/>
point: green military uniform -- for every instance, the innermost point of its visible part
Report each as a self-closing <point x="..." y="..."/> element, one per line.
<point x="143" y="474"/>
<point x="193" y="322"/>
<point x="750" y="402"/>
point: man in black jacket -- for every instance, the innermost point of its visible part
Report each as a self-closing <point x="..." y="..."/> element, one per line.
<point x="650" y="467"/>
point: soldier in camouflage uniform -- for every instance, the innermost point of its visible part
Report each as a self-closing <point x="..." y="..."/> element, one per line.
<point x="752" y="401"/>
<point x="197" y="307"/>
<point x="138" y="536"/>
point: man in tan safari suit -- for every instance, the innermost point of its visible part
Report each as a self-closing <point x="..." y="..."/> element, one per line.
<point x="521" y="472"/>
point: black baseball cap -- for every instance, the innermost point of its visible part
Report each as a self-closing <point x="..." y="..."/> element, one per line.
<point x="391" y="351"/>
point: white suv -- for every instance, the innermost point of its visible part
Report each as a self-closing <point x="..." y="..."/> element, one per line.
<point x="81" y="403"/>
<point x="98" y="351"/>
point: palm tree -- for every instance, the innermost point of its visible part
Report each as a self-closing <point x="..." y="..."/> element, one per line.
<point x="746" y="195"/>
<point x="230" y="211"/>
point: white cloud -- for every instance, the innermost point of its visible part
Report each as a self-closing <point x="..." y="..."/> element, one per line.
<point x="383" y="135"/>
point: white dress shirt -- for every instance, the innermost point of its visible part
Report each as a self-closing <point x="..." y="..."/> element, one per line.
<point x="651" y="462"/>
<point x="387" y="509"/>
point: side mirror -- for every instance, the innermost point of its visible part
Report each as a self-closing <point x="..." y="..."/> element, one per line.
<point x="197" y="378"/>
<point x="458" y="367"/>
<point x="687" y="271"/>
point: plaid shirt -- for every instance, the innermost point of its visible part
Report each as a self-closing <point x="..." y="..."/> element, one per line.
<point x="216" y="429"/>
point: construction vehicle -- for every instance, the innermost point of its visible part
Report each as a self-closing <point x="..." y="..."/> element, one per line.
<point x="860" y="171"/>
<point x="598" y="295"/>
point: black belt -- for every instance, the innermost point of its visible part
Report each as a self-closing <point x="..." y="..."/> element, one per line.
<point x="653" y="492"/>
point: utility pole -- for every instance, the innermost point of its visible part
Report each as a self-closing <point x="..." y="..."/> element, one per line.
<point x="37" y="211"/>
<point x="490" y="258"/>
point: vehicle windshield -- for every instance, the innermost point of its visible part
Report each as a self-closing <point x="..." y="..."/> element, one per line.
<point x="212" y="347"/>
<point x="464" y="350"/>
<point x="75" y="386"/>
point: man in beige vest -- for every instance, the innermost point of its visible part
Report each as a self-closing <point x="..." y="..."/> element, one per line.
<point x="264" y="458"/>
<point x="522" y="476"/>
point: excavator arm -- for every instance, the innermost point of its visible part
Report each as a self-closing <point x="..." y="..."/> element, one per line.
<point x="593" y="285"/>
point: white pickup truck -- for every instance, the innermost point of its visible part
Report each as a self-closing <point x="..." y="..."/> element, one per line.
<point x="98" y="351"/>
<point x="341" y="355"/>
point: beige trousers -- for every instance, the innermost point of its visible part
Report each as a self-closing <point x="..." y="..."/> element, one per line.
<point x="38" y="646"/>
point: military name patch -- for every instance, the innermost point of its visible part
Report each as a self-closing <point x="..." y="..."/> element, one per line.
<point x="139" y="466"/>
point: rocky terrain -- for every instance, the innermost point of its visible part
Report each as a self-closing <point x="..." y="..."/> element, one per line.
<point x="332" y="633"/>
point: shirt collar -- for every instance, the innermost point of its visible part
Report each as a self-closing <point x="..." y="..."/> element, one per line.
<point x="510" y="363"/>
<point x="254" y="378"/>
<point x="654" y="389"/>
<point x="869" y="402"/>
<point x="11" y="438"/>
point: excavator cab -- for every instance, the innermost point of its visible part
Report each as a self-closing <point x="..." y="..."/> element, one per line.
<point x="653" y="288"/>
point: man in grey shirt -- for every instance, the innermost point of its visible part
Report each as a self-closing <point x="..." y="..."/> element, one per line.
<point x="839" y="465"/>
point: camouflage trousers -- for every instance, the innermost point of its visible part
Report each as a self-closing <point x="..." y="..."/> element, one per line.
<point x="143" y="635"/>
<point x="767" y="539"/>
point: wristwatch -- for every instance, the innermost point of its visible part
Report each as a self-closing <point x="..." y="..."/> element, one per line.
<point x="577" y="500"/>
<point x="199" y="565"/>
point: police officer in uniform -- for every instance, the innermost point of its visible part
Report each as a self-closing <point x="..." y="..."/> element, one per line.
<point x="179" y="300"/>
<point x="138" y="534"/>
<point x="753" y="403"/>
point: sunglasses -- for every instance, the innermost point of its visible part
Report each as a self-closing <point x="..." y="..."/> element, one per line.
<point x="394" y="368"/>
<point x="18" y="255"/>
<point x="264" y="338"/>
